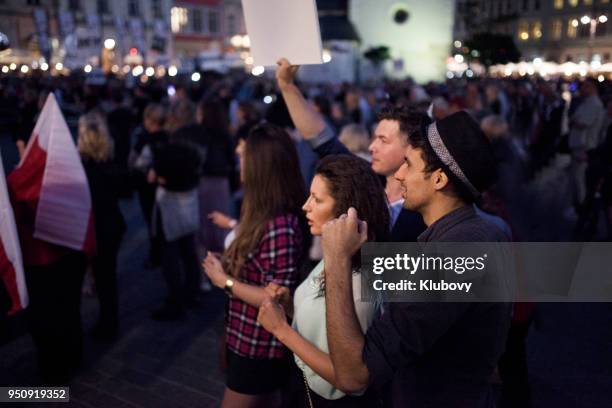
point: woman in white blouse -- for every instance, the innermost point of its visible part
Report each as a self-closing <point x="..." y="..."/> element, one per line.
<point x="340" y="182"/>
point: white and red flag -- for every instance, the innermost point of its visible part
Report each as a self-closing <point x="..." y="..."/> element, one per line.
<point x="50" y="193"/>
<point x="11" y="263"/>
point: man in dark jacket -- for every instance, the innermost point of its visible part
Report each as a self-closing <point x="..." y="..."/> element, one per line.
<point x="386" y="149"/>
<point x="421" y="354"/>
<point x="120" y="124"/>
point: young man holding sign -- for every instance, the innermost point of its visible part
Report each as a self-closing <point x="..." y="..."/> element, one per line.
<point x="387" y="148"/>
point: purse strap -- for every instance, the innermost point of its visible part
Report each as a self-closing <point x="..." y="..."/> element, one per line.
<point x="307" y="390"/>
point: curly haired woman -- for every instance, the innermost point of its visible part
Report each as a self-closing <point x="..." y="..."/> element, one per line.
<point x="340" y="182"/>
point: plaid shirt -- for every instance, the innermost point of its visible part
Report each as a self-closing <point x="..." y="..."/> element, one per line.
<point x="275" y="260"/>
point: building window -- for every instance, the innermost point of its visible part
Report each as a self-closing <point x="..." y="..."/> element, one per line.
<point x="556" y="29"/>
<point x="525" y="5"/>
<point x="133" y="8"/>
<point x="558" y="4"/>
<point x="588" y="2"/>
<point x="572" y="27"/>
<point x="523" y="30"/>
<point x="178" y="19"/>
<point x="196" y="20"/>
<point x="213" y="22"/>
<point x="103" y="7"/>
<point x="33" y="2"/>
<point x="584" y="30"/>
<point x="536" y="5"/>
<point x="573" y="3"/>
<point x="536" y="30"/>
<point x="231" y="25"/>
<point x="74" y="5"/>
<point x="601" y="29"/>
<point x="157" y="9"/>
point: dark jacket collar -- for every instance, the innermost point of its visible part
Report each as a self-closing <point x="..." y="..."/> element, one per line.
<point x="447" y="222"/>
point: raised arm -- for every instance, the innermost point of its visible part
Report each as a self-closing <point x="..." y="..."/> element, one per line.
<point x="307" y="121"/>
<point x="341" y="239"/>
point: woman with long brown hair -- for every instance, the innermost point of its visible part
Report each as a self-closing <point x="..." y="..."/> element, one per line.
<point x="269" y="247"/>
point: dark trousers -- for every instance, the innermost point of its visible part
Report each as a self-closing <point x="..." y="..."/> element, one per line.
<point x="181" y="270"/>
<point x="104" y="268"/>
<point x="146" y="196"/>
<point x="55" y="316"/>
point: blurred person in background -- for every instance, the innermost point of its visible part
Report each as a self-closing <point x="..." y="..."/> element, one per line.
<point x="549" y="116"/>
<point x="177" y="168"/>
<point x="120" y="125"/>
<point x="104" y="177"/>
<point x="150" y="137"/>
<point x="214" y="188"/>
<point x="356" y="138"/>
<point x="439" y="108"/>
<point x="585" y="133"/>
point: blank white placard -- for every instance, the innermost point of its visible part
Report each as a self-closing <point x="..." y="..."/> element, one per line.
<point x="283" y="28"/>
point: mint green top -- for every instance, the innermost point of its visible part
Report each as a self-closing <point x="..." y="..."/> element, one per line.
<point x="309" y="320"/>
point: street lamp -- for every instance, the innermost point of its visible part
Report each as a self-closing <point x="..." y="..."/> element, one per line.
<point x="327" y="56"/>
<point x="258" y="70"/>
<point x="137" y="71"/>
<point x="236" y="41"/>
<point x="109" y="44"/>
<point x="246" y="41"/>
<point x="593" y="29"/>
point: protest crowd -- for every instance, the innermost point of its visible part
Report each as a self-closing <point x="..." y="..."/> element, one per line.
<point x="266" y="188"/>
